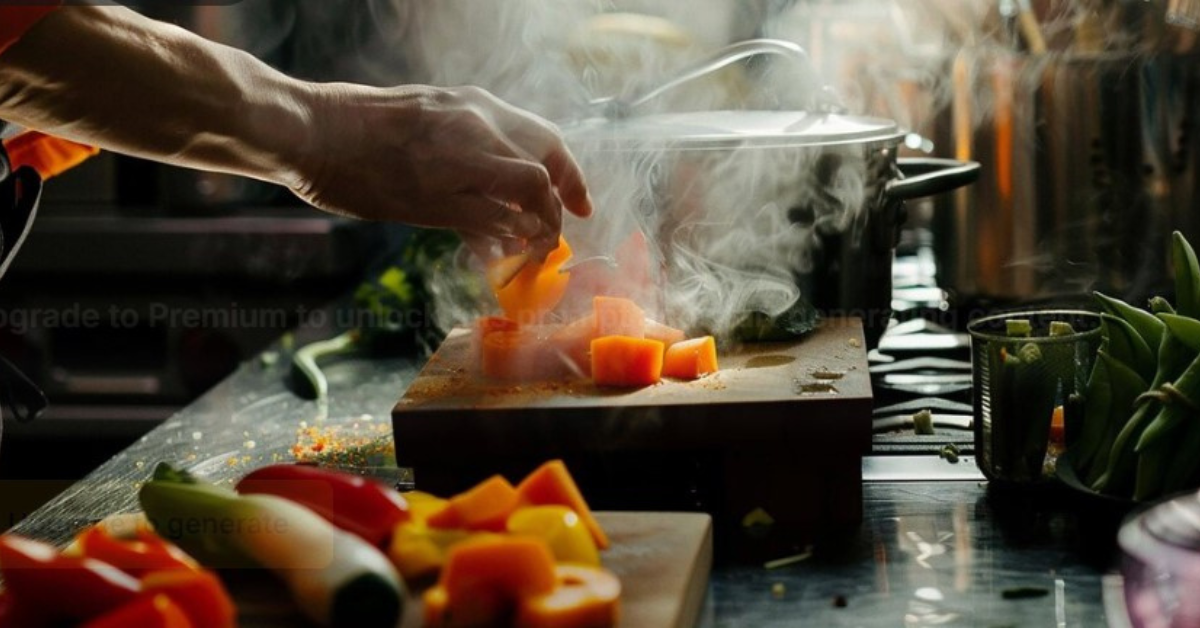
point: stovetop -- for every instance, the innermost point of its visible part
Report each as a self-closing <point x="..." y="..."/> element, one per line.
<point x="922" y="365"/>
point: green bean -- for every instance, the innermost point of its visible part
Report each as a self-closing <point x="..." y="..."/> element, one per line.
<point x="1163" y="434"/>
<point x="1127" y="346"/>
<point x="1148" y="326"/>
<point x="1187" y="276"/>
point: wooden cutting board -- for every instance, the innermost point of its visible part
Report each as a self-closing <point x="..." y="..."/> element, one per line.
<point x="662" y="559"/>
<point x="764" y="392"/>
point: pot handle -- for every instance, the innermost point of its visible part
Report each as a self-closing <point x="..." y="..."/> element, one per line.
<point x="928" y="176"/>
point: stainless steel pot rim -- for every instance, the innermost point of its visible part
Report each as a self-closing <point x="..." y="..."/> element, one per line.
<point x="718" y="130"/>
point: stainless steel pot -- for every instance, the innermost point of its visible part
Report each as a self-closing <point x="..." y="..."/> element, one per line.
<point x="758" y="211"/>
<point x="1089" y="167"/>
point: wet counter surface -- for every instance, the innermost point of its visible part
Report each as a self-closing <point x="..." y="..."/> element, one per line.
<point x="928" y="553"/>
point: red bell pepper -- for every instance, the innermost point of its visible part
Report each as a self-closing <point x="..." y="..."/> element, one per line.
<point x="148" y="553"/>
<point x="62" y="588"/>
<point x="151" y="611"/>
<point x="358" y="505"/>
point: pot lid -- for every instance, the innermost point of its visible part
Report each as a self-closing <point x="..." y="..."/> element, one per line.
<point x="726" y="129"/>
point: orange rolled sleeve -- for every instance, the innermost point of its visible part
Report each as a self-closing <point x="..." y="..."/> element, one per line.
<point x="49" y="156"/>
<point x="15" y="20"/>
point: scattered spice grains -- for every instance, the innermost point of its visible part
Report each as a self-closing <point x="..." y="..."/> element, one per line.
<point x="333" y="445"/>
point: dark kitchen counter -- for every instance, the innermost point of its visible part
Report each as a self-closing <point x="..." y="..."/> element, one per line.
<point x="928" y="553"/>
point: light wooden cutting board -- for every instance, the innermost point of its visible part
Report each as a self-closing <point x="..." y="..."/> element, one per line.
<point x="662" y="559"/>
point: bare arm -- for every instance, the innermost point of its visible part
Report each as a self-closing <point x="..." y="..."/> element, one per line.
<point x="454" y="158"/>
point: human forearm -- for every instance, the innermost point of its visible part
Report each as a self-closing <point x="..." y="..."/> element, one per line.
<point x="107" y="76"/>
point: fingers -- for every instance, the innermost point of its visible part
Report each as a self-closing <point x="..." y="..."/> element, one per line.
<point x="540" y="140"/>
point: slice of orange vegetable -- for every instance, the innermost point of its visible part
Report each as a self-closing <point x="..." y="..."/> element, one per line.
<point x="664" y="333"/>
<point x="152" y="611"/>
<point x="626" y="362"/>
<point x="585" y="596"/>
<point x="537" y="288"/>
<point x="571" y="344"/>
<point x="199" y="594"/>
<point x="691" y="359"/>
<point x="485" y="578"/>
<point x="618" y="317"/>
<point x="484" y="507"/>
<point x="551" y="484"/>
<point x="1058" y="427"/>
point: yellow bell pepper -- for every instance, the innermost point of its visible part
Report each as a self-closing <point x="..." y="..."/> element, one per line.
<point x="418" y="551"/>
<point x="421" y="505"/>
<point x="562" y="530"/>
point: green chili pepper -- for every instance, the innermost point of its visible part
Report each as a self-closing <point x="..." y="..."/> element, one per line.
<point x="1124" y="387"/>
<point x="1127" y="346"/>
<point x="1187" y="276"/>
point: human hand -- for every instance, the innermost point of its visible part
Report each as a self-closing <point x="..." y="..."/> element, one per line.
<point x="450" y="158"/>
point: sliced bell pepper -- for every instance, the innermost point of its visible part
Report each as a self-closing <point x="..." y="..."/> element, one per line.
<point x="537" y="288"/>
<point x="358" y="505"/>
<point x="585" y="597"/>
<point x="484" y="507"/>
<point x="561" y="528"/>
<point x="15" y="615"/>
<point x="551" y="484"/>
<point x="626" y="362"/>
<point x="419" y="552"/>
<point x="151" y="611"/>
<point x="421" y="505"/>
<point x="486" y="578"/>
<point x="40" y="580"/>
<point x="691" y="359"/>
<point x="199" y="594"/>
<point x="148" y="553"/>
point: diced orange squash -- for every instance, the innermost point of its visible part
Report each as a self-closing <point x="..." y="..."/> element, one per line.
<point x="625" y="362"/>
<point x="691" y="359"/>
<point x="157" y="611"/>
<point x="585" y="596"/>
<point x="663" y="333"/>
<point x="486" y="578"/>
<point x="572" y="344"/>
<point x="618" y="317"/>
<point x="552" y="485"/>
<point x="537" y="288"/>
<point x="421" y="505"/>
<point x="199" y="594"/>
<point x="500" y="272"/>
<point x="484" y="507"/>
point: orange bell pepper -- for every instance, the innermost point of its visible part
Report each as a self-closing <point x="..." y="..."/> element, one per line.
<point x="664" y="333"/>
<point x="148" y="553"/>
<point x="421" y="505"/>
<point x="586" y="597"/>
<point x="691" y="359"/>
<point x="199" y="594"/>
<point x="156" y="611"/>
<point x="626" y="362"/>
<point x="551" y="484"/>
<point x="619" y="317"/>
<point x="484" y="507"/>
<point x="486" y="578"/>
<point x="537" y="288"/>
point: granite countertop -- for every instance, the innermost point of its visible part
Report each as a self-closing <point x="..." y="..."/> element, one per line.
<point x="927" y="553"/>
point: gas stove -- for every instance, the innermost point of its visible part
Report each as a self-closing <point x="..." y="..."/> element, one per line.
<point x="921" y="366"/>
